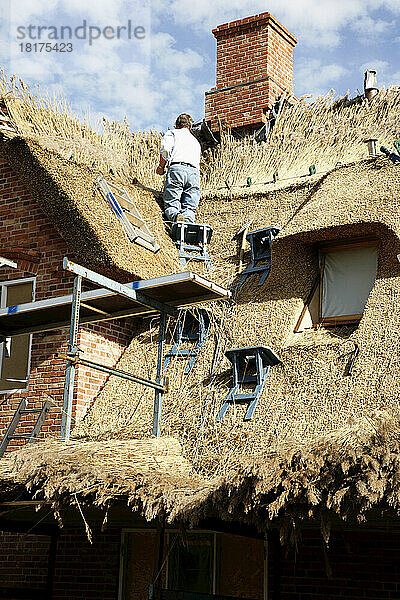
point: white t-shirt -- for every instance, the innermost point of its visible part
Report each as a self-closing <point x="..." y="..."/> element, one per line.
<point x="179" y="145"/>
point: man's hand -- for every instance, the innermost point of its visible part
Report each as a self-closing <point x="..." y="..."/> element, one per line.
<point x="161" y="166"/>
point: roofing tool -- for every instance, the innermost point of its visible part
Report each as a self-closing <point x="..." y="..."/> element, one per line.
<point x="312" y="170"/>
<point x="242" y="232"/>
<point x="125" y="209"/>
<point x="189" y="328"/>
<point x="396" y="144"/>
<point x="395" y="158"/>
<point x="192" y="241"/>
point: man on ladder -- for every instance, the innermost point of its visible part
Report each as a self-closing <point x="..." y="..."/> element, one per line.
<point x="181" y="152"/>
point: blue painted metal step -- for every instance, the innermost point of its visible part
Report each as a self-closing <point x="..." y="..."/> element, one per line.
<point x="260" y="245"/>
<point x="250" y="365"/>
<point x="190" y="327"/>
<point x="192" y="240"/>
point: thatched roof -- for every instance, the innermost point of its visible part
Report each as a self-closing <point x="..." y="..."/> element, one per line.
<point x="343" y="475"/>
<point x="310" y="391"/>
<point x="278" y="463"/>
<point x="150" y="474"/>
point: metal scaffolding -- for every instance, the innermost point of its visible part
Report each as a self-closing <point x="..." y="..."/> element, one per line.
<point x="113" y="300"/>
<point x="73" y="358"/>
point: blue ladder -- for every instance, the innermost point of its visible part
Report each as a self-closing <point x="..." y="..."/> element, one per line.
<point x="189" y="328"/>
<point x="250" y="365"/>
<point x="192" y="240"/>
<point x="260" y="245"/>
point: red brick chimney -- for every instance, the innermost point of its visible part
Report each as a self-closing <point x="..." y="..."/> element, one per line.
<point x="254" y="67"/>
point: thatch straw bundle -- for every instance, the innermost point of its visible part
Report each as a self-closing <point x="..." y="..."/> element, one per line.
<point x="148" y="472"/>
<point x="323" y="133"/>
<point x="52" y="123"/>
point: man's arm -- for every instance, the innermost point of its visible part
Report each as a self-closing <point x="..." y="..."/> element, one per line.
<point x="161" y="166"/>
<point x="167" y="144"/>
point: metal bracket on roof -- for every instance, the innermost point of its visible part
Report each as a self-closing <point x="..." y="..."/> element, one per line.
<point x="250" y="365"/>
<point x="260" y="244"/>
<point x="192" y="240"/>
<point x="189" y="328"/>
<point x="125" y="209"/>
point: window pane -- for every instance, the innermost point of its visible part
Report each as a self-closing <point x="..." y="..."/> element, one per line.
<point x="190" y="565"/>
<point x="348" y="278"/>
<point x="15" y="367"/>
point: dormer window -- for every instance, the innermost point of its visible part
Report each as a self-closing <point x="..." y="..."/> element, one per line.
<point x="340" y="292"/>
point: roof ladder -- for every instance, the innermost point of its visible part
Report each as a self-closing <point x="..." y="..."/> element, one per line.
<point x="250" y="365"/>
<point x="192" y="240"/>
<point x="189" y="328"/>
<point x="134" y="225"/>
<point x="23" y="410"/>
<point x="260" y="245"/>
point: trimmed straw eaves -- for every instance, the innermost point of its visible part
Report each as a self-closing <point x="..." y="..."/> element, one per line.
<point x="151" y="474"/>
<point x="94" y="235"/>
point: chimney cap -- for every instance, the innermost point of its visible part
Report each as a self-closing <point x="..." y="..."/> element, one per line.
<point x="254" y="21"/>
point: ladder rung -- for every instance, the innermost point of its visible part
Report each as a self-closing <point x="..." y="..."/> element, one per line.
<point x="30" y="411"/>
<point x="20" y="436"/>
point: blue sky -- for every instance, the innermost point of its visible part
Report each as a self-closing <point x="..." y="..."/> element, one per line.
<point x="167" y="70"/>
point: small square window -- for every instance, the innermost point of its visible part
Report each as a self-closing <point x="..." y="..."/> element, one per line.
<point x="339" y="294"/>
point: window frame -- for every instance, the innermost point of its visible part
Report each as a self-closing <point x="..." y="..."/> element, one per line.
<point x="122" y="557"/>
<point x="3" y="304"/>
<point x="122" y="567"/>
<point x="324" y="248"/>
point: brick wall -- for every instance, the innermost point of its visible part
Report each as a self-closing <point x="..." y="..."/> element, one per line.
<point x="23" y="560"/>
<point x="83" y="571"/>
<point x="359" y="564"/>
<point x="29" y="238"/>
<point x="254" y="66"/>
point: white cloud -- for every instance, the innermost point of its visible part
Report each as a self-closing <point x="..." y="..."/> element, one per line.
<point x="171" y="60"/>
<point x="316" y="22"/>
<point x="370" y="29"/>
<point x="315" y="78"/>
<point x="381" y="66"/>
